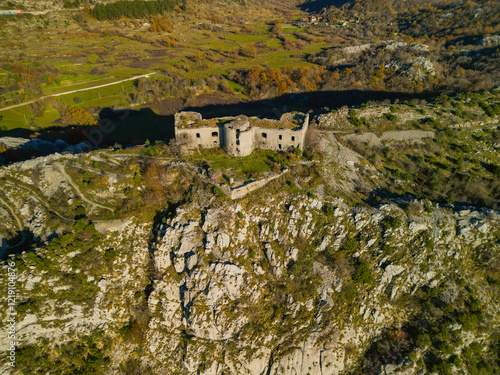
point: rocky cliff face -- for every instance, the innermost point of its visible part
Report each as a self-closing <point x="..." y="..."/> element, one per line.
<point x="216" y="301"/>
<point x="283" y="281"/>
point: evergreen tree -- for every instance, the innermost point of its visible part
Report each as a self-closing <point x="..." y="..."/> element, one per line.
<point x="134" y="9"/>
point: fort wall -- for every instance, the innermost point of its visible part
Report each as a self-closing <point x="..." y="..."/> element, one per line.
<point x="242" y="190"/>
<point x="239" y="142"/>
<point x="199" y="137"/>
<point x="239" y="136"/>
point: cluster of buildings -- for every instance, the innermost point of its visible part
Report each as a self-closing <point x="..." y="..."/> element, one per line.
<point x="312" y="19"/>
<point x="241" y="135"/>
<point x="315" y="20"/>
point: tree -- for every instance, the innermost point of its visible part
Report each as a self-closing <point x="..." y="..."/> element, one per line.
<point x="77" y="116"/>
<point x="135" y="9"/>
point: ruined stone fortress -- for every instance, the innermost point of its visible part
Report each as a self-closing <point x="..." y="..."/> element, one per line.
<point x="240" y="135"/>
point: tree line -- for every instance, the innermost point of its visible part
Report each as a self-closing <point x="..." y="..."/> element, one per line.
<point x="135" y="9"/>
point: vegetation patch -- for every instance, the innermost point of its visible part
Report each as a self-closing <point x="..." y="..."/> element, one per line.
<point x="135" y="9"/>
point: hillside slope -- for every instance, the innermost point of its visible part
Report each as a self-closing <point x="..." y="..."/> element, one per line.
<point x="139" y="264"/>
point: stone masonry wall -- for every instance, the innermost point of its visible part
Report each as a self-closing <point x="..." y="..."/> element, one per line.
<point x="241" y="142"/>
<point x="208" y="137"/>
<point x="240" y="191"/>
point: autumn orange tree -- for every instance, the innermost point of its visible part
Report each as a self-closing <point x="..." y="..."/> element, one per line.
<point x="269" y="81"/>
<point x="77" y="116"/>
<point x="160" y="24"/>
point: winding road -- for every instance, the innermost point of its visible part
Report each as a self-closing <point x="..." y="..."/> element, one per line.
<point x="77" y="189"/>
<point x="41" y="12"/>
<point x="34" y="196"/>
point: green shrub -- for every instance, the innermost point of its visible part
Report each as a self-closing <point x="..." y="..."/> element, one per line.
<point x="354" y="119"/>
<point x="349" y="293"/>
<point x="443" y="368"/>
<point x="110" y="255"/>
<point x="83" y="224"/>
<point x="80" y="290"/>
<point x="469" y="321"/>
<point x="29" y="305"/>
<point x="410" y="103"/>
<point x="363" y="273"/>
<point x="71" y="4"/>
<point x="386" y="152"/>
<point x="86" y="179"/>
<point x="218" y="192"/>
<point x="493" y="168"/>
<point x="33" y="259"/>
<point x="128" y="192"/>
<point x="444" y="347"/>
<point x="80" y="212"/>
<point x="350" y="246"/>
<point x="328" y="210"/>
<point x="391" y="117"/>
<point x="481" y="360"/>
<point x="391" y="222"/>
<point x="387" y="249"/>
<point x="455" y="359"/>
<point x="87" y="355"/>
<point x="423" y="340"/>
<point x="431" y="121"/>
<point x="432" y="292"/>
<point x="490" y="111"/>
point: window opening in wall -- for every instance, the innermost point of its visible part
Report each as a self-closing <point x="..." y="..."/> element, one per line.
<point x="238" y="142"/>
<point x="293" y="139"/>
<point x="264" y="135"/>
<point x="215" y="134"/>
<point x="281" y="137"/>
<point x="198" y="135"/>
<point x="279" y="147"/>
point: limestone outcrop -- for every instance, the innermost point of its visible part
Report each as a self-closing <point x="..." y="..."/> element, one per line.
<point x="278" y="283"/>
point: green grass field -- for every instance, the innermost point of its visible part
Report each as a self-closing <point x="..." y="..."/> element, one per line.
<point x="72" y="53"/>
<point x="108" y="96"/>
<point x="259" y="161"/>
<point x="16" y="118"/>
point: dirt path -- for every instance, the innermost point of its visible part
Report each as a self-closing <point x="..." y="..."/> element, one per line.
<point x="146" y="156"/>
<point x="79" y="90"/>
<point x="41" y="12"/>
<point x="20" y="224"/>
<point x="77" y="189"/>
<point x="100" y="171"/>
<point x="35" y="196"/>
